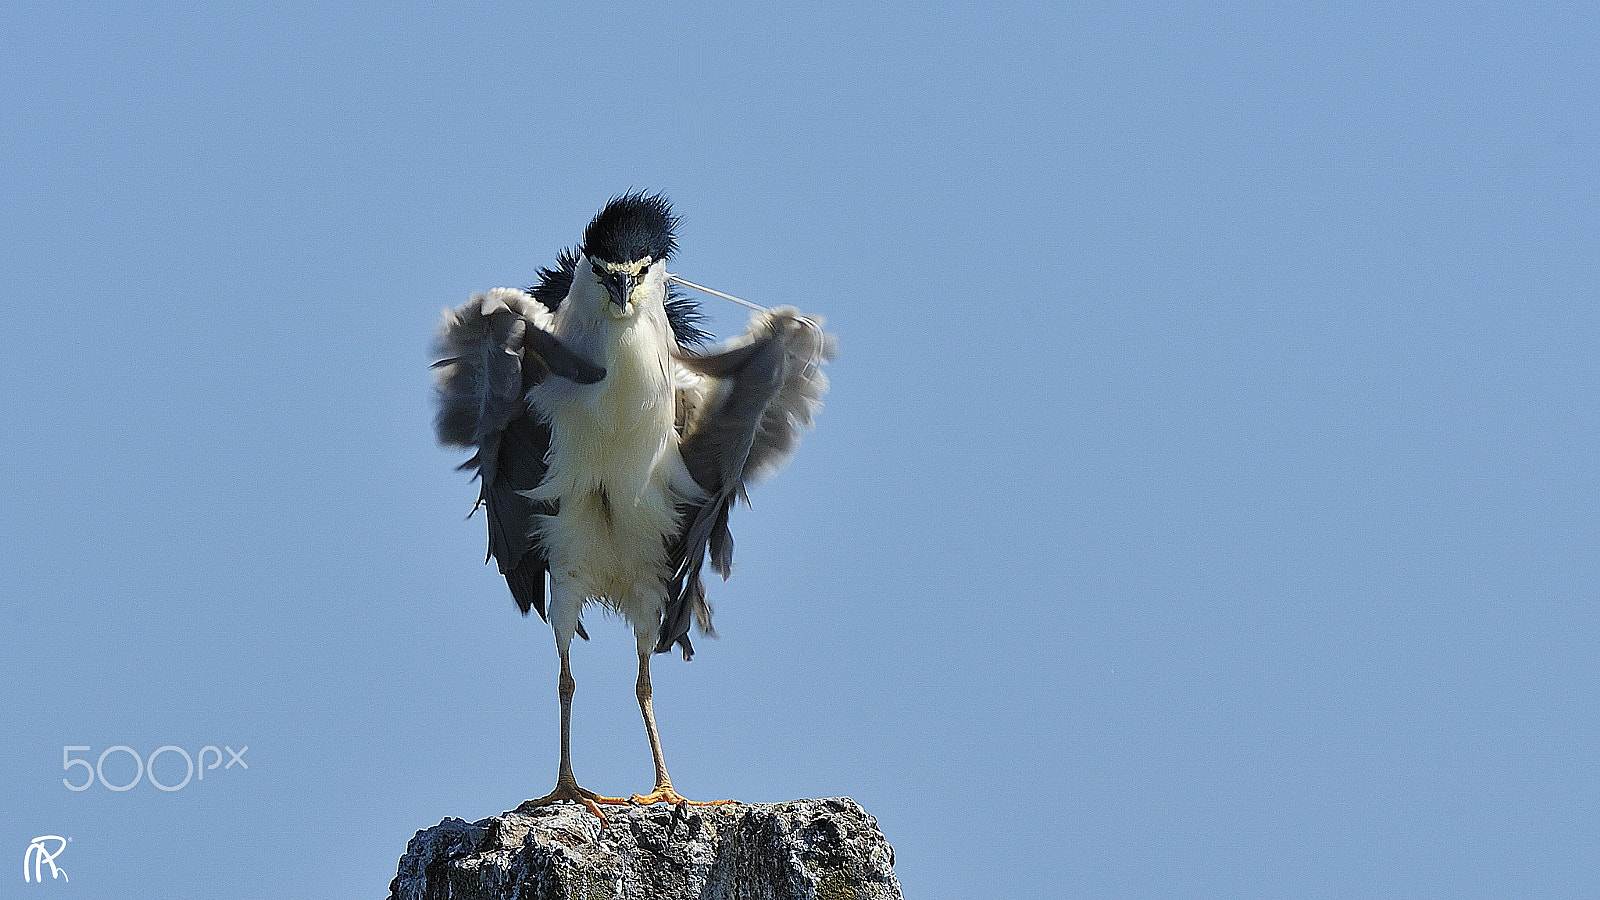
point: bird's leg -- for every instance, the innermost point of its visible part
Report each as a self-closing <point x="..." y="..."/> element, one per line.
<point x="567" y="786"/>
<point x="663" y="781"/>
<point x="663" y="792"/>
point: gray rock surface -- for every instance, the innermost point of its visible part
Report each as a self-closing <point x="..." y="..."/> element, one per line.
<point x="810" y="849"/>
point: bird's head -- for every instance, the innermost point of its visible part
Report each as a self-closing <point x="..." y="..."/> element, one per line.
<point x="625" y="249"/>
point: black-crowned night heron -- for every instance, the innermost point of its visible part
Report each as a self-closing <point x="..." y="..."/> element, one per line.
<point x="609" y="450"/>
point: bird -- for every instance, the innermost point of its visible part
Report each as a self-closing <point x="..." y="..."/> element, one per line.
<point x="611" y="443"/>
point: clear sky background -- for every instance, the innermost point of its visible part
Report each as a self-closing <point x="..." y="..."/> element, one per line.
<point x="1205" y="505"/>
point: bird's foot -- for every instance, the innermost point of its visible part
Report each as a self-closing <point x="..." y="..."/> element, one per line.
<point x="567" y="789"/>
<point x="665" y="794"/>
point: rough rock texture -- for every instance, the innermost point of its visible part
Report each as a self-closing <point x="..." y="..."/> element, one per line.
<point x="812" y="849"/>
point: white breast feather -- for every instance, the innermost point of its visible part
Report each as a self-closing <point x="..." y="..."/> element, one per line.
<point x="615" y="469"/>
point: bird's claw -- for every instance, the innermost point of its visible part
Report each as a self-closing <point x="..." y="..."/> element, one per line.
<point x="571" y="792"/>
<point x="665" y="794"/>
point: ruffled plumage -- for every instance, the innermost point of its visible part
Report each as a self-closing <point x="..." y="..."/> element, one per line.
<point x="741" y="409"/>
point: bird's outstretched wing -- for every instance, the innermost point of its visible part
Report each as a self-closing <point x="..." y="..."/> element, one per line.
<point x="743" y="411"/>
<point x="494" y="348"/>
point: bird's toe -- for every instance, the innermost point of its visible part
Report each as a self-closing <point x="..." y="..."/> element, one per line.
<point x="569" y="791"/>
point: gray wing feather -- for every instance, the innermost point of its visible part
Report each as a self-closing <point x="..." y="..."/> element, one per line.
<point x="757" y="394"/>
<point x="480" y="373"/>
<point x="494" y="348"/>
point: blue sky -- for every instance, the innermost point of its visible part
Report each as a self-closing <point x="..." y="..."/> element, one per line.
<point x="1204" y="506"/>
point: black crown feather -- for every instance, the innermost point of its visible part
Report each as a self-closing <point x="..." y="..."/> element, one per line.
<point x="554" y="284"/>
<point x="630" y="228"/>
<point x="683" y="313"/>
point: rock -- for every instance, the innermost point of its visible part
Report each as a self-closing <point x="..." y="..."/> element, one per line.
<point x="810" y="849"/>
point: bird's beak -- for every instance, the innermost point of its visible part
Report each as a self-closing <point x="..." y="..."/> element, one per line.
<point x="618" y="286"/>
